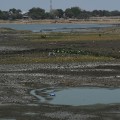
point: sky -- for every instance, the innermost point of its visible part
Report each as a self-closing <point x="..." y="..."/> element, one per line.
<point x="25" y="5"/>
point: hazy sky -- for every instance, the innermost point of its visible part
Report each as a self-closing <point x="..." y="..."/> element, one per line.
<point x="25" y="5"/>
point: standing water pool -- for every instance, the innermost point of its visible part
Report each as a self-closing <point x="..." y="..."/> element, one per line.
<point x="78" y="96"/>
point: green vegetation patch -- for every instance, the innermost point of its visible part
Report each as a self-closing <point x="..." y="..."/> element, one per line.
<point x="58" y="47"/>
<point x="20" y="59"/>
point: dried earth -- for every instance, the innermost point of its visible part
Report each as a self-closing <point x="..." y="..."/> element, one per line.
<point x="17" y="81"/>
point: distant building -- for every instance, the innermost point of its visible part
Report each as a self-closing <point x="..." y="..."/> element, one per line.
<point x="25" y="17"/>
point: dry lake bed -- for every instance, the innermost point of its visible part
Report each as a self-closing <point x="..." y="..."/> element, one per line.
<point x="60" y="76"/>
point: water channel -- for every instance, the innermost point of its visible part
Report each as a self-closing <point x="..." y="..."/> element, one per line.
<point x="78" y="96"/>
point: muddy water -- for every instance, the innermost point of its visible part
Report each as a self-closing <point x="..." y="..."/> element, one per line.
<point x="79" y="96"/>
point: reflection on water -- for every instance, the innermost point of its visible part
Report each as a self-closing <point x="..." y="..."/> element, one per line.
<point x="81" y="96"/>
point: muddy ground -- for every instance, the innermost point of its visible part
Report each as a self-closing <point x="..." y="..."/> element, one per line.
<point x="17" y="81"/>
<point x="18" y="75"/>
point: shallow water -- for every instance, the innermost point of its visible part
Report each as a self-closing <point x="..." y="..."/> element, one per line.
<point x="82" y="96"/>
<point x="52" y="27"/>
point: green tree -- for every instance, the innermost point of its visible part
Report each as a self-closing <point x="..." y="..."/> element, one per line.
<point x="100" y="13"/>
<point x="57" y="13"/>
<point x="69" y="13"/>
<point x="76" y="11"/>
<point x="106" y="13"/>
<point x="84" y="15"/>
<point x="5" y="15"/>
<point x="60" y="13"/>
<point x="1" y="14"/>
<point x="37" y="13"/>
<point x="49" y="15"/>
<point x="73" y="12"/>
<point x="115" y="13"/>
<point x="15" y="13"/>
<point x="95" y="13"/>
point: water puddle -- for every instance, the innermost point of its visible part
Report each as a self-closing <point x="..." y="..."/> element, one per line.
<point x="77" y="96"/>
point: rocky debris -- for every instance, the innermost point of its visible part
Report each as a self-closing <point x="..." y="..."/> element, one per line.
<point x="17" y="80"/>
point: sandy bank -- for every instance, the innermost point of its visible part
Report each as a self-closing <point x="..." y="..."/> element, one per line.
<point x="61" y="21"/>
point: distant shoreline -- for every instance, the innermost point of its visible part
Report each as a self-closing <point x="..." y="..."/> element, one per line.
<point x="61" y="21"/>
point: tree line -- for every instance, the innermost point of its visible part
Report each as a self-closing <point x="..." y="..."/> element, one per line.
<point x="39" y="13"/>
